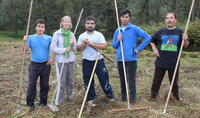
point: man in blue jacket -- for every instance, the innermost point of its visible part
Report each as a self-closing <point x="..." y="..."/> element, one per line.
<point x="129" y="36"/>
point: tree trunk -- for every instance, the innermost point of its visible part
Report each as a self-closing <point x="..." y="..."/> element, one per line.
<point x="15" y="25"/>
<point x="198" y="10"/>
<point x="147" y="11"/>
<point x="174" y="5"/>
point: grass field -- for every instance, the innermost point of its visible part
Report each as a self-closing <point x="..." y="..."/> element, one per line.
<point x="187" y="107"/>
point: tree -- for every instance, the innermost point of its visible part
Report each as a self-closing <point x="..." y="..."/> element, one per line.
<point x="13" y="14"/>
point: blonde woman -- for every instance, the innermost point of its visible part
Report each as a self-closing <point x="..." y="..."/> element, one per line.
<point x="64" y="43"/>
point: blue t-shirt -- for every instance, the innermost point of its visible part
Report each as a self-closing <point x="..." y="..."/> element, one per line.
<point x="39" y="47"/>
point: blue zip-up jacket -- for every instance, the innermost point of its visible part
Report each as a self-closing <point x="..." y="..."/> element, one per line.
<point x="129" y="42"/>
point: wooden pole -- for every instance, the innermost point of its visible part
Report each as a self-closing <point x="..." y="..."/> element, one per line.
<point x="79" y="18"/>
<point x="89" y="85"/>
<point x="75" y="29"/>
<point x="22" y="70"/>
<point x="132" y="109"/>
<point x="101" y="53"/>
<point x="177" y="63"/>
<point x="126" y="83"/>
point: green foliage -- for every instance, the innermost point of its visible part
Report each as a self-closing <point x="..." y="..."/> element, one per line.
<point x="186" y="80"/>
<point x="151" y="29"/>
<point x="148" y="14"/>
<point x="20" y="33"/>
<point x="194" y="35"/>
<point x="13" y="14"/>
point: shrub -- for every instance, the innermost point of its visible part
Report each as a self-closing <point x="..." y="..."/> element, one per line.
<point x="194" y="35"/>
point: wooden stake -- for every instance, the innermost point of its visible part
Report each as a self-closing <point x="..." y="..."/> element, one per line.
<point x="177" y="63"/>
<point x="101" y="53"/>
<point x="79" y="18"/>
<point x="132" y="109"/>
<point x="89" y="85"/>
<point x="22" y="70"/>
<point x="126" y="83"/>
<point x="21" y="115"/>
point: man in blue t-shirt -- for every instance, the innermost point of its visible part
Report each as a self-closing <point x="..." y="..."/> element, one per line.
<point x="169" y="41"/>
<point x="40" y="64"/>
<point x="129" y="37"/>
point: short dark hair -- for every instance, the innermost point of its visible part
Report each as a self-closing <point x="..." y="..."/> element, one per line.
<point x="123" y="12"/>
<point x="89" y="18"/>
<point x="171" y="13"/>
<point x="40" y="21"/>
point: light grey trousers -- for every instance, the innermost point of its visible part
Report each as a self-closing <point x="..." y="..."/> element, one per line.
<point x="66" y="81"/>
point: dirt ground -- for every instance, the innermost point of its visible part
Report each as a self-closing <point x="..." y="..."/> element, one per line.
<point x="187" y="107"/>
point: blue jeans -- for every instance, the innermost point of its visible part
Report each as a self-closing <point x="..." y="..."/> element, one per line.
<point x="131" y="69"/>
<point x="102" y="75"/>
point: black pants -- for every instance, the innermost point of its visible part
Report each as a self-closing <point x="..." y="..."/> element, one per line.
<point x="35" y="70"/>
<point x="157" y="80"/>
<point x="131" y="69"/>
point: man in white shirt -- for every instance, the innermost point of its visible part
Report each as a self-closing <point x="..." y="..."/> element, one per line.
<point x="95" y="39"/>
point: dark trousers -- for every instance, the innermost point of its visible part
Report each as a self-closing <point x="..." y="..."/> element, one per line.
<point x="157" y="80"/>
<point x="131" y="69"/>
<point x="36" y="70"/>
<point x="102" y="75"/>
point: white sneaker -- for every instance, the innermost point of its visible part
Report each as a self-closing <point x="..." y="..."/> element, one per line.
<point x="112" y="100"/>
<point x="90" y="103"/>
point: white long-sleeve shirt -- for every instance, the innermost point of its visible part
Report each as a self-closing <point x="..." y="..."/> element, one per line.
<point x="57" y="47"/>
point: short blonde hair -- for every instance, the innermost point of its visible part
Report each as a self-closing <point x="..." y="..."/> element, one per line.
<point x="65" y="18"/>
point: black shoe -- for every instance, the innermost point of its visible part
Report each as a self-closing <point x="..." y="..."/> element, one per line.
<point x="42" y="105"/>
<point x="152" y="99"/>
<point x="123" y="100"/>
<point x="31" y="108"/>
<point x="176" y="96"/>
<point x="153" y="96"/>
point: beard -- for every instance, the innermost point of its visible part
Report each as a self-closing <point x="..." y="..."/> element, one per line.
<point x="90" y="29"/>
<point x="169" y="24"/>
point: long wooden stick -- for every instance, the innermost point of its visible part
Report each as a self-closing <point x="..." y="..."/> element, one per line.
<point x="126" y="83"/>
<point x="22" y="70"/>
<point x="21" y="115"/>
<point x="177" y="63"/>
<point x="101" y="53"/>
<point x="79" y="18"/>
<point x="132" y="109"/>
<point x="89" y="85"/>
